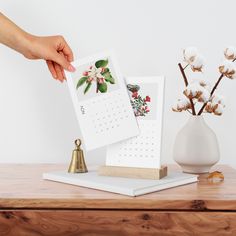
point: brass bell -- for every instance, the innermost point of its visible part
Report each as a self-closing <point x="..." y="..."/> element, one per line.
<point x="77" y="164"/>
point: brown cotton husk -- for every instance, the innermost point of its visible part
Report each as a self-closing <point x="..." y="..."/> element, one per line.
<point x="230" y="57"/>
<point x="226" y="73"/>
<point x="215" y="110"/>
<point x="202" y="84"/>
<point x="180" y="109"/>
<point x="200" y="99"/>
<point x="215" y="176"/>
<point x="196" y="69"/>
<point x="176" y="110"/>
<point x="217" y="113"/>
<point x="191" y="96"/>
<point x="212" y="109"/>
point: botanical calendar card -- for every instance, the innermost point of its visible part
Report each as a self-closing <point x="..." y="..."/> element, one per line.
<point x="144" y="151"/>
<point x="101" y="101"/>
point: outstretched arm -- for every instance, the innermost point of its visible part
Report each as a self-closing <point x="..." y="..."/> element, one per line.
<point x="53" y="49"/>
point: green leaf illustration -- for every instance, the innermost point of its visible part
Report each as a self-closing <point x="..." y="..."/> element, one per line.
<point x="111" y="80"/>
<point x="133" y="88"/>
<point x="108" y="77"/>
<point x="101" y="63"/>
<point x="106" y="74"/>
<point x="81" y="81"/>
<point x="102" y="87"/>
<point x="87" y="87"/>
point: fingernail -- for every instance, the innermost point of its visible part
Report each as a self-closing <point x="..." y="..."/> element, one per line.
<point x="71" y="68"/>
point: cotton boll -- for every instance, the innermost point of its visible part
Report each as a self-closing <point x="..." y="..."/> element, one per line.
<point x="197" y="64"/>
<point x="176" y="108"/>
<point x="233" y="76"/>
<point x="209" y="107"/>
<point x="226" y="66"/>
<point x="218" y="99"/>
<point x="190" y="54"/>
<point x="230" y="53"/>
<point x="182" y="104"/>
<point x="205" y="95"/>
<point x="196" y="91"/>
<point x="228" y="69"/>
<point x="215" y="105"/>
<point x="191" y="90"/>
<point x="192" y="57"/>
<point x="202" y="82"/>
<point x="218" y="110"/>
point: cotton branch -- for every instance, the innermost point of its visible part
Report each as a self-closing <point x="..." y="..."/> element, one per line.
<point x="186" y="84"/>
<point x="212" y="91"/>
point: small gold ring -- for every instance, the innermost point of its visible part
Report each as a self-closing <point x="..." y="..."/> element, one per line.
<point x="78" y="142"/>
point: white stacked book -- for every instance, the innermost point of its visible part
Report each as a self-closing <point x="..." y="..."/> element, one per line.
<point x="126" y="186"/>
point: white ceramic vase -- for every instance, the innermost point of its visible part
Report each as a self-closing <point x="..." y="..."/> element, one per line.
<point x="196" y="147"/>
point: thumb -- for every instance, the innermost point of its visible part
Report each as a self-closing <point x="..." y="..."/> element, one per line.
<point x="60" y="59"/>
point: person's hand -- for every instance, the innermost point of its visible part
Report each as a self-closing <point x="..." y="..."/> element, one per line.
<point x="55" y="51"/>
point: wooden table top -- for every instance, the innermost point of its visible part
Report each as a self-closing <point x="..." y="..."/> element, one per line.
<point x="22" y="186"/>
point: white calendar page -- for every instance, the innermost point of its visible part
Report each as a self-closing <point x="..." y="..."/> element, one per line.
<point x="101" y="101"/>
<point x="144" y="151"/>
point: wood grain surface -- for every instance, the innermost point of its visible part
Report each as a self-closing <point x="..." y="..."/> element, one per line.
<point x="22" y="186"/>
<point x="116" y="223"/>
<point x="31" y="206"/>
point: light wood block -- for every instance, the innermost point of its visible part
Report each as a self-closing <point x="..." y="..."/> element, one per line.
<point x="131" y="172"/>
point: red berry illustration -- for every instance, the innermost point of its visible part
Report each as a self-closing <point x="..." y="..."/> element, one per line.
<point x="85" y="73"/>
<point x="135" y="94"/>
<point x="139" y="103"/>
<point x="147" y="99"/>
<point x="101" y="80"/>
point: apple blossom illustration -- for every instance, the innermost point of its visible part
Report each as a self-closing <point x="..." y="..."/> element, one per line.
<point x="198" y="93"/>
<point x="139" y="103"/>
<point x="99" y="74"/>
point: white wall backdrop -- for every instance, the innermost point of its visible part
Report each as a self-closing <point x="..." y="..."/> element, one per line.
<point x="37" y="120"/>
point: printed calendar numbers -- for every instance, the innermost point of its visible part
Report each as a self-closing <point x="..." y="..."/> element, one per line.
<point x="82" y="110"/>
<point x="144" y="150"/>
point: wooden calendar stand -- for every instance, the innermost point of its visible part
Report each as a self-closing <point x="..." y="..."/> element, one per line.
<point x="131" y="172"/>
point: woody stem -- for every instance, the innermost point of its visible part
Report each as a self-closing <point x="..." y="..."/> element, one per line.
<point x="212" y="92"/>
<point x="189" y="112"/>
<point x="185" y="66"/>
<point x="186" y="84"/>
